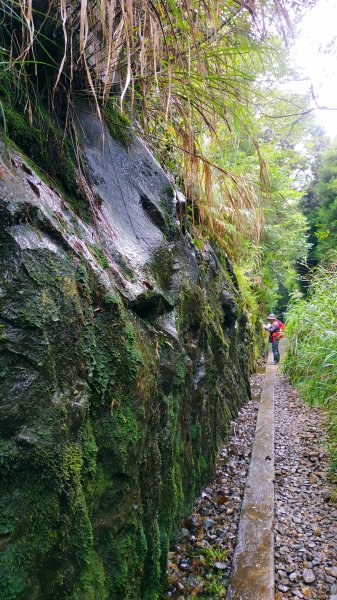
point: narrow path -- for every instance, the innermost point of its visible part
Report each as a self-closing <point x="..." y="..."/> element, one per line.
<point x="305" y="518"/>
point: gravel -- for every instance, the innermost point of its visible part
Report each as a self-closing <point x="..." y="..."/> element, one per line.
<point x="200" y="558"/>
<point x="305" y="508"/>
<point x="305" y="514"/>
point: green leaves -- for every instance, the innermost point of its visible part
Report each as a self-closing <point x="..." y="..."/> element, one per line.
<point x="322" y="207"/>
<point x="311" y="356"/>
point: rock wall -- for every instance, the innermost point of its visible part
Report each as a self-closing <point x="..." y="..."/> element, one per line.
<point x="123" y="359"/>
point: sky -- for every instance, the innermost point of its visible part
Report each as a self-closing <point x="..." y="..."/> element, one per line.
<point x="315" y="52"/>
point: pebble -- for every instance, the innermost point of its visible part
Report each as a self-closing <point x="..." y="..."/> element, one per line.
<point x="283" y="588"/>
<point x="305" y="523"/>
<point x="331" y="571"/>
<point x="308" y="576"/>
<point x="220" y="566"/>
<point x="209" y="523"/>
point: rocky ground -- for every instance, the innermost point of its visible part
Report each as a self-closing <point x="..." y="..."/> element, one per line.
<point x="306" y="514"/>
<point x="305" y="508"/>
<point x="200" y="559"/>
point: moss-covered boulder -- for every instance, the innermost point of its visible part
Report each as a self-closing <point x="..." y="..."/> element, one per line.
<point x="123" y="359"/>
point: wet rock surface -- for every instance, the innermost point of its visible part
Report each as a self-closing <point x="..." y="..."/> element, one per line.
<point x="121" y="369"/>
<point x="305" y="514"/>
<point x="201" y="556"/>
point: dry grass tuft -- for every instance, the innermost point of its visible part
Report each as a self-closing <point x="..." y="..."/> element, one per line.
<point x="183" y="65"/>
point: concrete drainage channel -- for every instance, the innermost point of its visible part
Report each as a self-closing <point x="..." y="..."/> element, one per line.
<point x="228" y="537"/>
<point x="253" y="564"/>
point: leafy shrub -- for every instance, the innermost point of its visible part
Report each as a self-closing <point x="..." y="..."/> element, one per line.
<point x="311" y="356"/>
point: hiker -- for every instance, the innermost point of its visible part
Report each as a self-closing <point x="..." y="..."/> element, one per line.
<point x="273" y="328"/>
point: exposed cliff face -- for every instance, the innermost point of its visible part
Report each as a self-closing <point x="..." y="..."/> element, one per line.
<point x="123" y="358"/>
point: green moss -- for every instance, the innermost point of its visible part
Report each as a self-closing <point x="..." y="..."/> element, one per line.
<point x="118" y="437"/>
<point x="202" y="465"/>
<point x="89" y="450"/>
<point x="49" y="152"/>
<point x="99" y="255"/>
<point x="118" y="123"/>
<point x="124" y="575"/>
<point x="21" y="131"/>
<point x="166" y="206"/>
<point x="110" y="298"/>
<point x="169" y="191"/>
<point x="49" y="489"/>
<point x="195" y="432"/>
<point x="92" y="582"/>
<point x="179" y="374"/>
<point x="162" y="267"/>
<point x="126" y="269"/>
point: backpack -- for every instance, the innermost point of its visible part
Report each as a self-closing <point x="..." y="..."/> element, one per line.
<point x="279" y="334"/>
<point x="281" y="330"/>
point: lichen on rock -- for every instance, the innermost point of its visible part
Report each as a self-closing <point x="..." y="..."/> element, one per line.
<point x="123" y="359"/>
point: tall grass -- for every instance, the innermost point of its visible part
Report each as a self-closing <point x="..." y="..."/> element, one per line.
<point x="311" y="356"/>
<point x="177" y="67"/>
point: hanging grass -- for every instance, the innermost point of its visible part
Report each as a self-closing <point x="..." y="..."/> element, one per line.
<point x="176" y="68"/>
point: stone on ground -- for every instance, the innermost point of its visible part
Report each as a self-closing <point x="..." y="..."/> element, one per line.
<point x="305" y="517"/>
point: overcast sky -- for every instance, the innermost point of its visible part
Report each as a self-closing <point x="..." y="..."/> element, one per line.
<point x="315" y="52"/>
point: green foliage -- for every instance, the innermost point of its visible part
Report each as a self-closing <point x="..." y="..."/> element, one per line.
<point x="212" y="555"/>
<point x="99" y="255"/>
<point x="268" y="239"/>
<point x="321" y="206"/>
<point x="214" y="587"/>
<point x="254" y="307"/>
<point x="311" y="356"/>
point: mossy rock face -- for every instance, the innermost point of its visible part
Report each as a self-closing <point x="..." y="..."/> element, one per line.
<point x="110" y="416"/>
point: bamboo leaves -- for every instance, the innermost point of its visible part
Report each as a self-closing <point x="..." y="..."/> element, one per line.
<point x="185" y="66"/>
